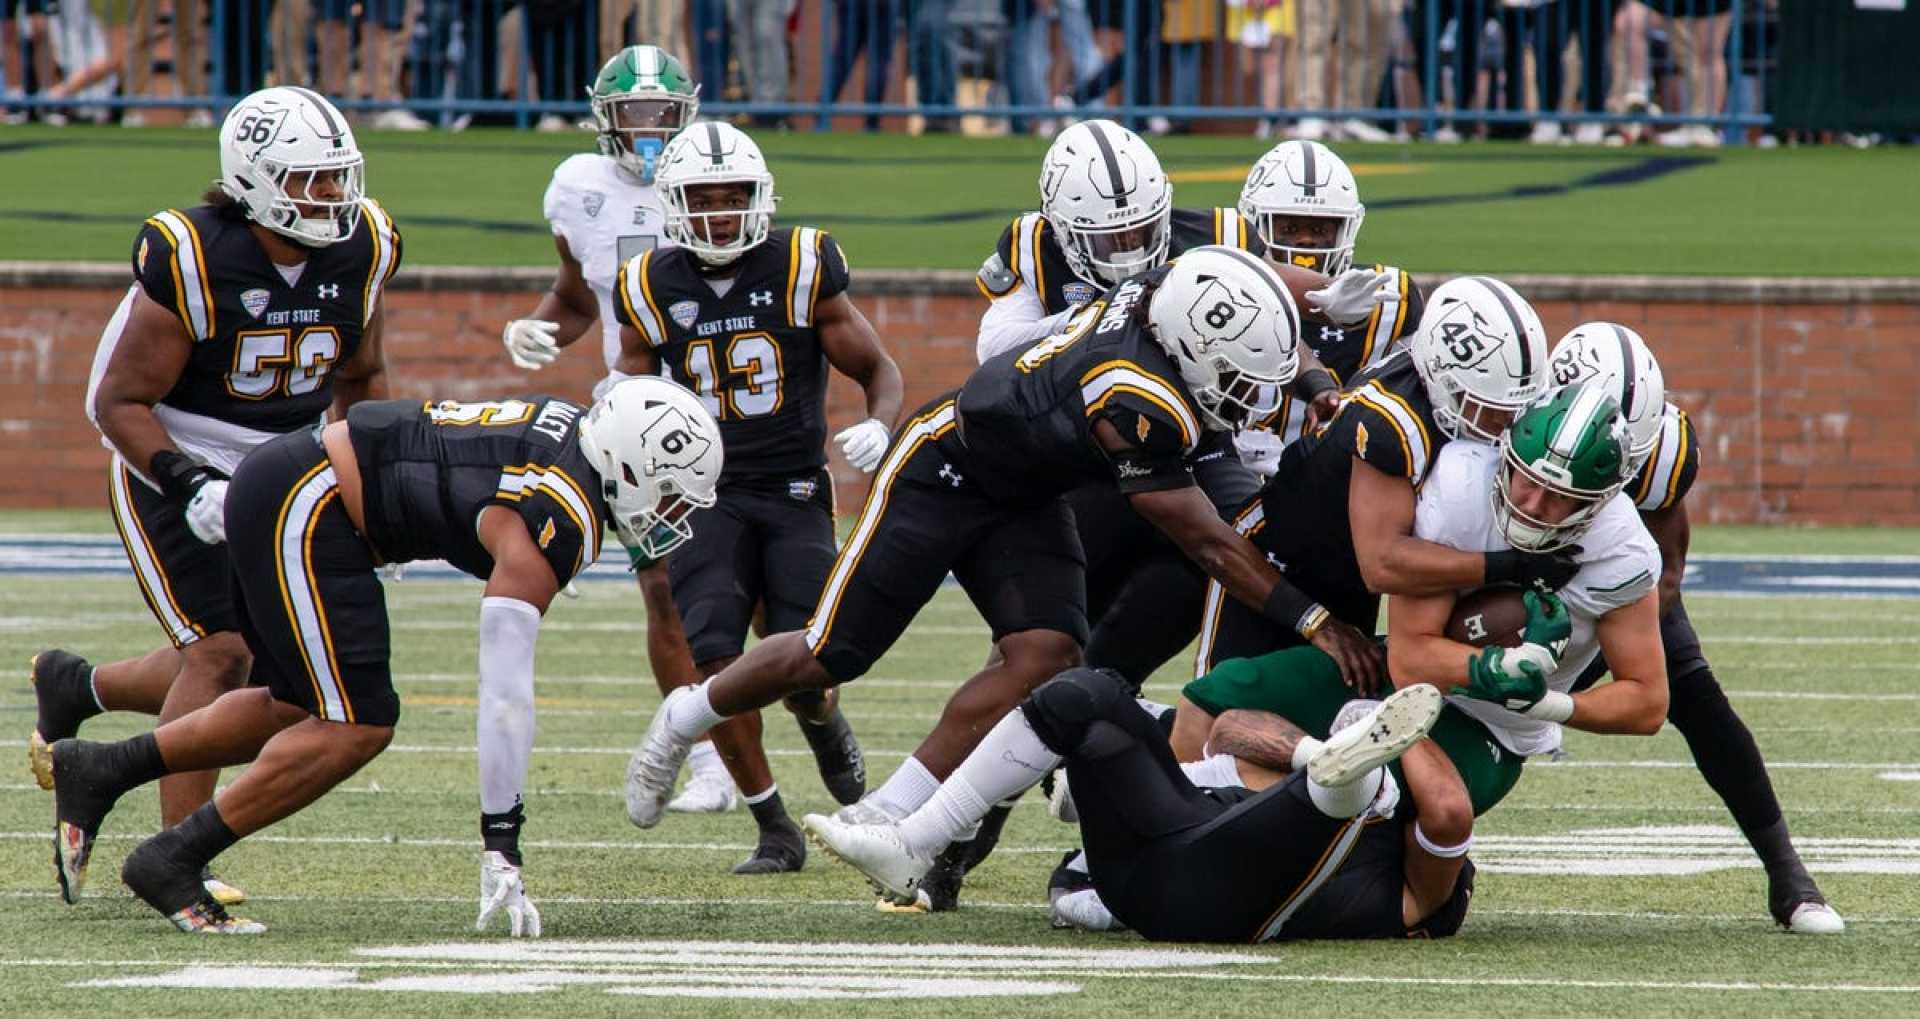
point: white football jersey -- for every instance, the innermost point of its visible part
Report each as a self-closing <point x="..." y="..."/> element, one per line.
<point x="1619" y="565"/>
<point x="606" y="217"/>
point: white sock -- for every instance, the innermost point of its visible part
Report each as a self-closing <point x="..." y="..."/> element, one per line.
<point x="1009" y="760"/>
<point x="691" y="717"/>
<point x="762" y="797"/>
<point x="705" y="759"/>
<point x="93" y="687"/>
<point x="1221" y="771"/>
<point x="1347" y="799"/>
<point x="906" y="789"/>
<point x="1304" y="751"/>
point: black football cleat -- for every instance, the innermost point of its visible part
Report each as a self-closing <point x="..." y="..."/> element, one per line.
<point x="782" y="850"/>
<point x="84" y="791"/>
<point x="160" y="878"/>
<point x="836" y="750"/>
<point x="65" y="699"/>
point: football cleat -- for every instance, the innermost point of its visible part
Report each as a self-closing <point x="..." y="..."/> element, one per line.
<point x="874" y="850"/>
<point x="843" y="769"/>
<point x="1081" y="910"/>
<point x="782" y="850"/>
<point x="865" y="811"/>
<point x="655" y="765"/>
<point x="65" y="699"/>
<point x="176" y="889"/>
<point x="1815" y="918"/>
<point x="83" y="793"/>
<point x="707" y="792"/>
<point x="1382" y="736"/>
<point x="1060" y="802"/>
<point x="209" y="917"/>
<point x="222" y="892"/>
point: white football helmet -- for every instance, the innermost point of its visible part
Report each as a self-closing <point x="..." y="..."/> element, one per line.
<point x="658" y="454"/>
<point x="1231" y="327"/>
<point x="289" y="158"/>
<point x="1303" y="179"/>
<point x="1620" y="360"/>
<point x="1483" y="355"/>
<point x="1107" y="200"/>
<point x="714" y="152"/>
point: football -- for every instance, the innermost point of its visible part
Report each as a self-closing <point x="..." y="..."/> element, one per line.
<point x="1488" y="616"/>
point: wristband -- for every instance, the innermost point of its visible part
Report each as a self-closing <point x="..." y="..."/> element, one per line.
<point x="500" y="833"/>
<point x="1443" y="852"/>
<point x="1295" y="611"/>
<point x="1314" y="382"/>
<point x="1554" y="707"/>
<point x="178" y="476"/>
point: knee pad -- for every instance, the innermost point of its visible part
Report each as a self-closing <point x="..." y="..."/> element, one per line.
<point x="1062" y="708"/>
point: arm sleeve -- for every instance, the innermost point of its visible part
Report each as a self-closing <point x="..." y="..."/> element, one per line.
<point x="509" y="629"/>
<point x="1013" y="321"/>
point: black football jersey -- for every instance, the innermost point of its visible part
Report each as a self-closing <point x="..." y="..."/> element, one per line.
<point x="1363" y="898"/>
<point x="753" y="354"/>
<point x="1026" y="416"/>
<point x="263" y="348"/>
<point x="1386" y="419"/>
<point x="428" y="469"/>
<point x="1029" y="255"/>
<point x="1348" y="352"/>
<point x="1668" y="473"/>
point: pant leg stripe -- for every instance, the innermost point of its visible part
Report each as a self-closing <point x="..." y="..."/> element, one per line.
<point x="293" y="543"/>
<point x="146" y="562"/>
<point x="1337" y="852"/>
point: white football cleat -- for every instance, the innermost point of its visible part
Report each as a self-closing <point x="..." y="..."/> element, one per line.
<point x="1383" y="735"/>
<point x="1352" y="712"/>
<point x="1081" y="910"/>
<point x="655" y="765"/>
<point x="1815" y="918"/>
<point x="709" y="791"/>
<point x="864" y="811"/>
<point x="1060" y="803"/>
<point x="874" y="850"/>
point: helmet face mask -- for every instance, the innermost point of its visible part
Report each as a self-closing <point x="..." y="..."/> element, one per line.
<point x="641" y="99"/>
<point x="1230" y="327"/>
<point x="1482" y="354"/>
<point x="659" y="457"/>
<point x="1107" y="201"/>
<point x="693" y="163"/>
<point x="289" y="160"/>
<point x="1616" y="358"/>
<point x="1301" y="180"/>
<point x="1561" y="461"/>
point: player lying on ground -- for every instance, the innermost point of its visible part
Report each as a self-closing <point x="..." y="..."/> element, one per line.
<point x="751" y="318"/>
<point x="250" y="316"/>
<point x="1263" y="857"/>
<point x="515" y="492"/>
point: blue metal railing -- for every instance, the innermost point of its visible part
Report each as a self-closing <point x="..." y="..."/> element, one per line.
<point x="1359" y="67"/>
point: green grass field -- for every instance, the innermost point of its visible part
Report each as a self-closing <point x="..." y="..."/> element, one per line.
<point x="939" y="202"/>
<point x="388" y="860"/>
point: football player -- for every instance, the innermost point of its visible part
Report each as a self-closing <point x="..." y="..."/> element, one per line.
<point x="1667" y="452"/>
<point x="751" y="318"/>
<point x="1339" y="509"/>
<point x="513" y="491"/>
<point x="249" y="317"/>
<point x="973" y="484"/>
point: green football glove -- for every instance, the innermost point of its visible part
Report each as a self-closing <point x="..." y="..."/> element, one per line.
<point x="1516" y="679"/>
<point x="1548" y="624"/>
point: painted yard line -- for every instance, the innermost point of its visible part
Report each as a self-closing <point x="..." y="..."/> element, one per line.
<point x="421" y="843"/>
<point x="641" y="679"/>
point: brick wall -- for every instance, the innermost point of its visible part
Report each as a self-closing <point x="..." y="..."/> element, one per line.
<point x="1808" y="412"/>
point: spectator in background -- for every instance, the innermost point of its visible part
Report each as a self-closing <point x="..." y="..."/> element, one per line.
<point x="1083" y="51"/>
<point x="1029" y="56"/>
<point x="1186" y="26"/>
<point x="35" y="13"/>
<point x="189" y="56"/>
<point x="1137" y="65"/>
<point x="1363" y="28"/>
<point x="710" y="49"/>
<point x="760" y="40"/>
<point x="1558" y="21"/>
<point x="930" y="56"/>
<point x="1264" y="30"/>
<point x="860" y="25"/>
<point x="381" y="22"/>
<point x="289" y="23"/>
<point x="558" y="46"/>
<point x="1699" y="29"/>
<point x="660" y="23"/>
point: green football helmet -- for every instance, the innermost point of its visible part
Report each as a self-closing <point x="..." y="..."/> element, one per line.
<point x="641" y="99"/>
<point x="1573" y="443"/>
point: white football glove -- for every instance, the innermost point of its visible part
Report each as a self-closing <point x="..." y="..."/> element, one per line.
<point x="500" y="887"/>
<point x="393" y="573"/>
<point x="530" y="342"/>
<point x="864" y="444"/>
<point x="1352" y="295"/>
<point x="207" y="513"/>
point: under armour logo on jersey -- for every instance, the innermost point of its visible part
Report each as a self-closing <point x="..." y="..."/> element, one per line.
<point x="1332" y="334"/>
<point x="760" y="299"/>
<point x="329" y="291"/>
<point x="951" y="476"/>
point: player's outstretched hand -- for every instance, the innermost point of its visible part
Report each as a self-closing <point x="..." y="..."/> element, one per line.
<point x="530" y="342"/>
<point x="864" y="444"/>
<point x="1542" y="571"/>
<point x="1351" y="297"/>
<point x="1362" y="660"/>
<point x="501" y="888"/>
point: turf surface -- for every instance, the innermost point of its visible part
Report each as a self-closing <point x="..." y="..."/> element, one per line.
<point x="939" y="202"/>
<point x="389" y="859"/>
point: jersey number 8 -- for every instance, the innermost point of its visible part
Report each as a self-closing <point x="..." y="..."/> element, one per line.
<point x="269" y="361"/>
<point x="754" y="359"/>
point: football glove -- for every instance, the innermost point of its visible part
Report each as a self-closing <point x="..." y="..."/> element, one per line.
<point x="500" y="888"/>
<point x="530" y="342"/>
<point x="199" y="491"/>
<point x="1352" y="296"/>
<point x="1542" y="571"/>
<point x="207" y="513"/>
<point x="864" y="444"/>
<point x="1548" y="624"/>
<point x="1514" y="678"/>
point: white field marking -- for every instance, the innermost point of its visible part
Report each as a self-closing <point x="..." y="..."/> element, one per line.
<point x="646" y="681"/>
<point x="424" y="748"/>
<point x="1900" y="776"/>
<point x="1821" y="695"/>
<point x="1681" y="850"/>
<point x="439" y="843"/>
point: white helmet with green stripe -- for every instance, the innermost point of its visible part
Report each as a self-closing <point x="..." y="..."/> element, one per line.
<point x="1618" y="359"/>
<point x="1561" y="460"/>
<point x="641" y="99"/>
<point x="1483" y="355"/>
